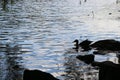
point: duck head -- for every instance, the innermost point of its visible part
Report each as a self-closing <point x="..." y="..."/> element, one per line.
<point x="76" y="41"/>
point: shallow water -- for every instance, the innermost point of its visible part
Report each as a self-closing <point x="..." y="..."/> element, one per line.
<point x="38" y="34"/>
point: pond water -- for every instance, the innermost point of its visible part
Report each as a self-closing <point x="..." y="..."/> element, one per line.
<point x="38" y="34"/>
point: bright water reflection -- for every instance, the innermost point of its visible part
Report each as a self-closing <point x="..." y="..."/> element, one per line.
<point x="42" y="31"/>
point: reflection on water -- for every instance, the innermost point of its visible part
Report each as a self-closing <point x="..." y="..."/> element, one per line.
<point x="72" y="68"/>
<point x="78" y="70"/>
<point x="10" y="67"/>
<point x="14" y="69"/>
<point x="5" y="4"/>
<point x="35" y="34"/>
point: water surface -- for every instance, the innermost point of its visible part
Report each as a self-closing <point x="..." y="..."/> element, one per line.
<point x="38" y="34"/>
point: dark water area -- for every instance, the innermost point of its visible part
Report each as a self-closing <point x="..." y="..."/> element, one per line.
<point x="38" y="34"/>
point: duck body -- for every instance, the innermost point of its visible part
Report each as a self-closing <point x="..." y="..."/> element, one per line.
<point x="85" y="45"/>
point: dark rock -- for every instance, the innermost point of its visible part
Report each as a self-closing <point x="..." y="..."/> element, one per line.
<point x="108" y="70"/>
<point x="108" y="44"/>
<point x="37" y="75"/>
<point x="105" y="45"/>
<point x="110" y="13"/>
<point x="88" y="59"/>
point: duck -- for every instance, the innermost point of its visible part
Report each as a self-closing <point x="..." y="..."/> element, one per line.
<point x="84" y="44"/>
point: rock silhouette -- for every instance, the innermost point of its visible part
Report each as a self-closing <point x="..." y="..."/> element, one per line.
<point x="108" y="44"/>
<point x="37" y="75"/>
<point x="88" y="59"/>
<point x="108" y="70"/>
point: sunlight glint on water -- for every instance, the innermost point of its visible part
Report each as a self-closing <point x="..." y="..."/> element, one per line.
<point x="43" y="30"/>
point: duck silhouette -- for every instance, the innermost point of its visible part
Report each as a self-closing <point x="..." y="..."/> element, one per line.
<point x="106" y="45"/>
<point x="84" y="44"/>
